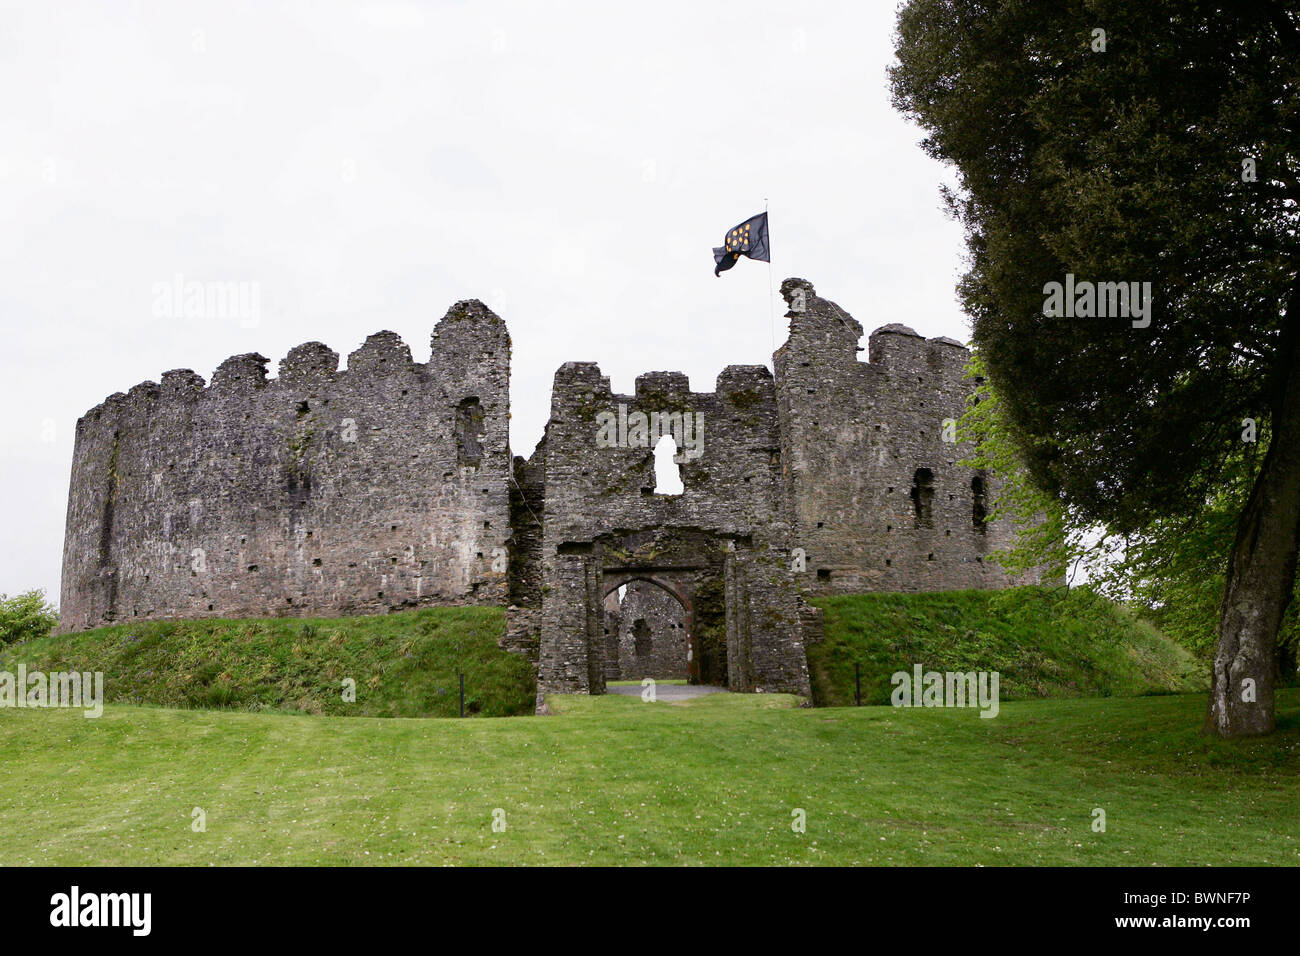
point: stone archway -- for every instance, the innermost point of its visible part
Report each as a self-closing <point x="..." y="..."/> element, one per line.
<point x="648" y="630"/>
<point x="755" y="631"/>
<point x="692" y="567"/>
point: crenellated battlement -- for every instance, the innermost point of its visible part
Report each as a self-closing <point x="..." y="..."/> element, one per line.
<point x="321" y="490"/>
<point x="874" y="484"/>
<point x="385" y="483"/>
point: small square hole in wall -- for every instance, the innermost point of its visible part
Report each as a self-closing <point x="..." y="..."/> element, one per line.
<point x="487" y="524"/>
<point x="888" y="528"/>
<point x="252" y="567"/>
<point x="209" y="607"/>
<point x="394" y="560"/>
<point x="819" y="524"/>
<point x="930" y="557"/>
<point x="381" y="593"/>
<point x="888" y="563"/>
<point x="315" y="562"/>
<point x="823" y="574"/>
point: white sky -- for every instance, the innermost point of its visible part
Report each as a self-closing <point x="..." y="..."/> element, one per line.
<point x="369" y="164"/>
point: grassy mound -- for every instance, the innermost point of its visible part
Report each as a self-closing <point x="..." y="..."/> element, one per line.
<point x="404" y="664"/>
<point x="1043" y="642"/>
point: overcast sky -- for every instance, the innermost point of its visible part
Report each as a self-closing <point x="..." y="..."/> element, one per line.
<point x="366" y="165"/>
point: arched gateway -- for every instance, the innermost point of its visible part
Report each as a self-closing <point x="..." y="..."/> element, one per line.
<point x="648" y="632"/>
<point x="721" y="547"/>
<point x="693" y="570"/>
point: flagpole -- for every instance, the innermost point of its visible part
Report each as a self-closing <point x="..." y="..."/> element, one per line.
<point x="771" y="304"/>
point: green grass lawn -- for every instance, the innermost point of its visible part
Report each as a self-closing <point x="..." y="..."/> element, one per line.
<point x="613" y="780"/>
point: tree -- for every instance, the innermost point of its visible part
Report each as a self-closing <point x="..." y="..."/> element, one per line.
<point x="1175" y="570"/>
<point x="26" y="616"/>
<point x="1148" y="141"/>
<point x="1172" y="570"/>
<point x="1045" y="536"/>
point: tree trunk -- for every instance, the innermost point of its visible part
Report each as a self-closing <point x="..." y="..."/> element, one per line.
<point x="1261" y="570"/>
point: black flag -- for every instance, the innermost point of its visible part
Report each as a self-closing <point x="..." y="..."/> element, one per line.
<point x="747" y="239"/>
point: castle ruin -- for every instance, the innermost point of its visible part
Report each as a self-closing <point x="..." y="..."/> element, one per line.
<point x="390" y="484"/>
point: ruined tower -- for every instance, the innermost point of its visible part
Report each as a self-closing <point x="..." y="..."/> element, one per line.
<point x="871" y="478"/>
<point x="318" y="492"/>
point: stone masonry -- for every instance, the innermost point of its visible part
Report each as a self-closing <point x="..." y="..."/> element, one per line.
<point x="390" y="484"/>
<point x="875" y="495"/>
<point x="320" y="492"/>
<point x="645" y="634"/>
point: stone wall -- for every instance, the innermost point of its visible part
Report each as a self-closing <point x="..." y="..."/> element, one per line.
<point x="390" y="484"/>
<point x="650" y="637"/>
<point x="605" y="524"/>
<point x="319" y="492"/>
<point x="876" y="496"/>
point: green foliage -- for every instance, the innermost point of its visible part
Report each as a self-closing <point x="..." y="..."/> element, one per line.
<point x="1175" y="569"/>
<point x="404" y="664"/>
<point x="1045" y="537"/>
<point x="1044" y="642"/>
<point x="1126" y="166"/>
<point x="614" y="780"/>
<point x="26" y="616"/>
